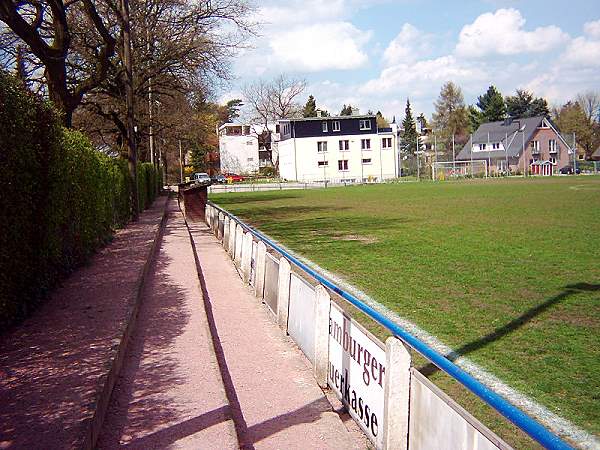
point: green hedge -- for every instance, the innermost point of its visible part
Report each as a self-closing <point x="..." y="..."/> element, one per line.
<point x="60" y="201"/>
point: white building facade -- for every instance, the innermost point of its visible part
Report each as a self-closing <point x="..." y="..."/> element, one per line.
<point x="337" y="149"/>
<point x="238" y="149"/>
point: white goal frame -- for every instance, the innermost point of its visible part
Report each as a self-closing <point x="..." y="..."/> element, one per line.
<point x="447" y="170"/>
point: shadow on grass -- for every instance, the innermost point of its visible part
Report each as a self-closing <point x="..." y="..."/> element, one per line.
<point x="247" y="197"/>
<point x="499" y="333"/>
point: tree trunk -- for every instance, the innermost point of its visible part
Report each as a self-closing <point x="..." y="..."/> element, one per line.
<point x="131" y="141"/>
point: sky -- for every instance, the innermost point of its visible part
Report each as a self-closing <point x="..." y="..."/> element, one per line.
<point x="374" y="54"/>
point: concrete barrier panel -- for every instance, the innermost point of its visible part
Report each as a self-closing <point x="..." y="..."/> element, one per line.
<point x="301" y="320"/>
<point x="436" y="421"/>
<point x="231" y="246"/>
<point x="283" y="293"/>
<point x="221" y="231"/>
<point x="246" y="261"/>
<point x="322" y="310"/>
<point x="259" y="270"/>
<point x="239" y="241"/>
<point x="357" y="372"/>
<point x="397" y="394"/>
<point x="226" y="234"/>
<point x="252" y="280"/>
<point x="271" y="289"/>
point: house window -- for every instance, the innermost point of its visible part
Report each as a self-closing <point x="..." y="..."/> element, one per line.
<point x="386" y="143"/>
<point x="496" y="146"/>
<point x="365" y="144"/>
<point x="344" y="146"/>
<point x="552" y="145"/>
<point x="552" y="160"/>
<point x="250" y="159"/>
<point x="366" y="160"/>
<point x="343" y="164"/>
<point x="324" y="124"/>
<point x="535" y="146"/>
<point x="335" y="125"/>
<point x="321" y="146"/>
<point x="365" y="124"/>
<point x="482" y="147"/>
<point x="323" y="163"/>
<point x="249" y="142"/>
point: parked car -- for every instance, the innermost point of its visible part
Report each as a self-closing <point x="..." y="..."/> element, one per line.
<point x="233" y="177"/>
<point x="201" y="177"/>
<point x="568" y="170"/>
<point x="220" y="179"/>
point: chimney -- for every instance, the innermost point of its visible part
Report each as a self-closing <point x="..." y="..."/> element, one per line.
<point x="355" y="112"/>
<point x="319" y="113"/>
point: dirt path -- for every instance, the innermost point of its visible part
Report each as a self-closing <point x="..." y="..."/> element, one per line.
<point x="207" y="368"/>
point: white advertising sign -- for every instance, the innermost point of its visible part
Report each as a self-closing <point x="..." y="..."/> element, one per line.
<point x="356" y="372"/>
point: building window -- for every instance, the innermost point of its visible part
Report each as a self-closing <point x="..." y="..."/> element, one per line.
<point x="250" y="159"/>
<point x="552" y="145"/>
<point x="321" y="146"/>
<point x="323" y="163"/>
<point x="365" y="144"/>
<point x="324" y="124"/>
<point x="365" y="124"/>
<point x="535" y="146"/>
<point x="249" y="142"/>
<point x="552" y="160"/>
<point x="343" y="164"/>
<point x="366" y="160"/>
<point x="496" y="146"/>
<point x="344" y="146"/>
<point x="482" y="147"/>
<point x="386" y="143"/>
<point x="335" y="125"/>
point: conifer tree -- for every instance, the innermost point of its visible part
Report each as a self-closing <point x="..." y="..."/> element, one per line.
<point x="409" y="134"/>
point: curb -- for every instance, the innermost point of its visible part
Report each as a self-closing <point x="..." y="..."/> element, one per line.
<point x="93" y="426"/>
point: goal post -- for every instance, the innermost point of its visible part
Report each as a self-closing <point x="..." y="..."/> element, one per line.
<point x="448" y="170"/>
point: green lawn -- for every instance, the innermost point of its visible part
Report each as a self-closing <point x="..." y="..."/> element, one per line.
<point x="506" y="272"/>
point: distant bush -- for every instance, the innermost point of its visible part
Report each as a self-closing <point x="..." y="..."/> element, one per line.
<point x="60" y="199"/>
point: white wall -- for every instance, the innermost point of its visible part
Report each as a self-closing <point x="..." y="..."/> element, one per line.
<point x="382" y="164"/>
<point x="239" y="154"/>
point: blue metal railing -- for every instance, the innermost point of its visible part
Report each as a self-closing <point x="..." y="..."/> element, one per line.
<point x="530" y="426"/>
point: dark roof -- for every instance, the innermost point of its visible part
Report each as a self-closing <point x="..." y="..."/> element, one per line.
<point x="302" y="119"/>
<point x="596" y="154"/>
<point x="509" y="132"/>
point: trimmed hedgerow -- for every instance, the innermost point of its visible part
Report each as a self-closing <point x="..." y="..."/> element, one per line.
<point x="60" y="198"/>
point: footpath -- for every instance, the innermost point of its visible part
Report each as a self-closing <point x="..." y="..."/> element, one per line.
<point x="205" y="367"/>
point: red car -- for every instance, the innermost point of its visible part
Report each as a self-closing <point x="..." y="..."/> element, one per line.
<point x="233" y="177"/>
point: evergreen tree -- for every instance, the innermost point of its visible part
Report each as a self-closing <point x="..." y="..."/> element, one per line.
<point x="475" y="118"/>
<point x="310" y="109"/>
<point x="232" y="109"/>
<point x="409" y="134"/>
<point x="450" y="117"/>
<point x="491" y="104"/>
<point x="523" y="104"/>
<point x="346" y="110"/>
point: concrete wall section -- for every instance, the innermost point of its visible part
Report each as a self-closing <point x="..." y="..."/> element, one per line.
<point x="301" y="319"/>
<point x="271" y="282"/>
<point x="436" y="421"/>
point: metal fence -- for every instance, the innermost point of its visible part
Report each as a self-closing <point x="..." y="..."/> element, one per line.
<point x="395" y="406"/>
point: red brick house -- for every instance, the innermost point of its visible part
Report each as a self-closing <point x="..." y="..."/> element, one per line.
<point x="532" y="144"/>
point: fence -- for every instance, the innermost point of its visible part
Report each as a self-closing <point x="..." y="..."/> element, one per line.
<point x="394" y="404"/>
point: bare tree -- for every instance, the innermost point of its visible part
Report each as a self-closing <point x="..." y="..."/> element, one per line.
<point x="272" y="100"/>
<point x="590" y="104"/>
<point x="51" y="30"/>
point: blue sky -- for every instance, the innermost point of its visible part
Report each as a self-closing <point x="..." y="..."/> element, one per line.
<point x="376" y="53"/>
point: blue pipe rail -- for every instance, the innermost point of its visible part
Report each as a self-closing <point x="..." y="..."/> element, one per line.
<point x="529" y="425"/>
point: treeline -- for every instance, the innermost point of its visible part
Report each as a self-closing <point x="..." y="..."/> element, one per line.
<point x="453" y="119"/>
<point x="60" y="198"/>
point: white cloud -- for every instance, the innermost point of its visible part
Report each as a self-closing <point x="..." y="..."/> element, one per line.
<point x="592" y="29"/>
<point x="502" y="33"/>
<point x="407" y="46"/>
<point x="323" y="46"/>
<point x="582" y="51"/>
<point x="424" y="75"/>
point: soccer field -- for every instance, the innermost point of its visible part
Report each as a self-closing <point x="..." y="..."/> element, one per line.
<point x="506" y="272"/>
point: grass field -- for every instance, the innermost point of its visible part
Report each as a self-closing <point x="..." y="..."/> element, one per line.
<point x="506" y="272"/>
